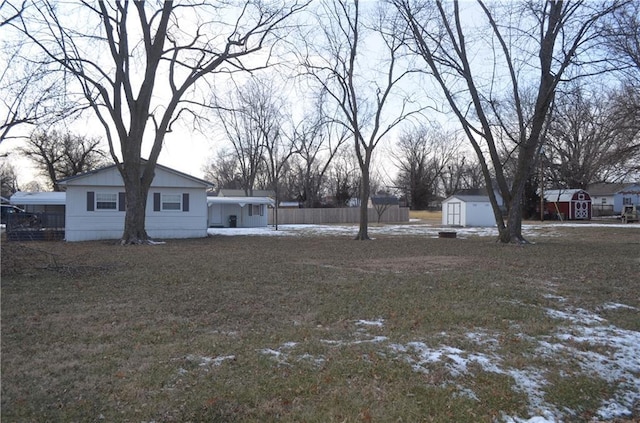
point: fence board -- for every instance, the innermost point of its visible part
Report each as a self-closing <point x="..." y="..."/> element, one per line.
<point x="321" y="216"/>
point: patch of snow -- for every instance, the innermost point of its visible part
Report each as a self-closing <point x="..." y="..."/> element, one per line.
<point x="209" y="361"/>
<point x="379" y="323"/>
<point x="374" y="340"/>
<point x="615" y="306"/>
<point x="578" y="316"/>
<point x="555" y="297"/>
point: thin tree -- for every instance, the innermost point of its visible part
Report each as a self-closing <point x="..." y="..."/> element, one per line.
<point x="550" y="36"/>
<point x="139" y="69"/>
<point x="362" y="90"/>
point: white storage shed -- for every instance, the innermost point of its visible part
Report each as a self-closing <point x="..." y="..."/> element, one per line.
<point x="467" y="210"/>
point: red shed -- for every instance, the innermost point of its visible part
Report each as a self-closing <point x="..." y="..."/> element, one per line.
<point x="572" y="204"/>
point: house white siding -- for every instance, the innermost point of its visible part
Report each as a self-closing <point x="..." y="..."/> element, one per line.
<point x="91" y="215"/>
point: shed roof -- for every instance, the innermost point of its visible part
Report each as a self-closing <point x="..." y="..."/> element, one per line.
<point x="39" y="198"/>
<point x="561" y="195"/>
<point x="241" y="201"/>
<point x="471" y="198"/>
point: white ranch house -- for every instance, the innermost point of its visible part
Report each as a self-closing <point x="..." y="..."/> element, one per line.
<point x="95" y="205"/>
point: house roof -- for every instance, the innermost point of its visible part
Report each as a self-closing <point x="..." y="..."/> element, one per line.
<point x="561" y="195"/>
<point x="39" y="198"/>
<point x="384" y="200"/>
<point x="241" y="201"/>
<point x="606" y="188"/>
<point x="470" y="198"/>
<point x="143" y="161"/>
<point x="629" y="189"/>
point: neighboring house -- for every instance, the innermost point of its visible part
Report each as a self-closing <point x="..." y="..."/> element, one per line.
<point x="95" y="205"/>
<point x="602" y="198"/>
<point x="628" y="195"/>
<point x="383" y="204"/>
<point x="241" y="193"/>
<point x="40" y="202"/>
<point x="467" y="210"/>
<point x="240" y="212"/>
<point x="571" y="204"/>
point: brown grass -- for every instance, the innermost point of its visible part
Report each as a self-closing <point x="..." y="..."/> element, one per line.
<point x="98" y="332"/>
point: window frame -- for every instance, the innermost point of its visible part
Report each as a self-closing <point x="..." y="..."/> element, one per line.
<point x="164" y="200"/>
<point x="97" y="201"/>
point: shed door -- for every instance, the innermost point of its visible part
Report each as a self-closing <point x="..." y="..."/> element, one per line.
<point x="581" y="209"/>
<point x="453" y="213"/>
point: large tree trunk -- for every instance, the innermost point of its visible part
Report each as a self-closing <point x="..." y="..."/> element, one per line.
<point x="136" y="192"/>
<point x="363" y="233"/>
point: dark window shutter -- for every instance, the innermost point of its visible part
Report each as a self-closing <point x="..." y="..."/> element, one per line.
<point x="121" y="201"/>
<point x="91" y="200"/>
<point x="185" y="202"/>
<point x="250" y="209"/>
<point x="156" y="201"/>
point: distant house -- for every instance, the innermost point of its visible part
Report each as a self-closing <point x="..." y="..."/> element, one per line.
<point x="602" y="198"/>
<point x="467" y="210"/>
<point x="240" y="212"/>
<point x="95" y="205"/>
<point x="627" y="195"/>
<point x="570" y="204"/>
<point x="241" y="193"/>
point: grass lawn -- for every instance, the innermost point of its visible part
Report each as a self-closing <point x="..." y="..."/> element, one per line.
<point x="324" y="329"/>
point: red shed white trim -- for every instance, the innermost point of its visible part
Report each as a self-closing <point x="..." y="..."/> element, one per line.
<point x="571" y="204"/>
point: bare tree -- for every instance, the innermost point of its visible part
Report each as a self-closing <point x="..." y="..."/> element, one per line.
<point x="462" y="172"/>
<point x="223" y="170"/>
<point x="550" y="36"/>
<point x="361" y="90"/>
<point x="591" y="138"/>
<point x="343" y="181"/>
<point x="248" y="119"/>
<point x="422" y="157"/>
<point x="622" y="33"/>
<point x="8" y="179"/>
<point x="138" y="68"/>
<point x="60" y="155"/>
<point x="318" y="139"/>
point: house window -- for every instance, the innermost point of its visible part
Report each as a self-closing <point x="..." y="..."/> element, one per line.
<point x="604" y="200"/>
<point x="626" y="201"/>
<point x="106" y="201"/>
<point x="171" y="202"/>
<point x="256" y="210"/>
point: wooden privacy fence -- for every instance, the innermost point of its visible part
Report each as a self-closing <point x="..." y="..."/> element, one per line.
<point x="338" y="215"/>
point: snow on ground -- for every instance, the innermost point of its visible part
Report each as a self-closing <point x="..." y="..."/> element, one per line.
<point x="412" y="228"/>
<point x="613" y="354"/>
